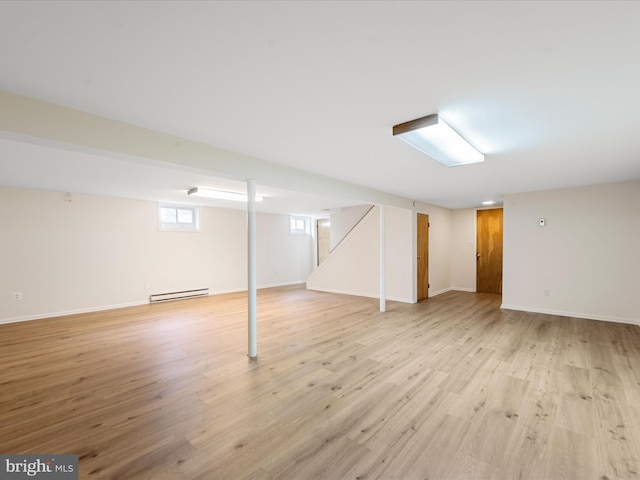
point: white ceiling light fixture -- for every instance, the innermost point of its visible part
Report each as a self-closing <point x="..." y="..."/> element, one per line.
<point x="220" y="195"/>
<point x="488" y="202"/>
<point x="434" y="137"/>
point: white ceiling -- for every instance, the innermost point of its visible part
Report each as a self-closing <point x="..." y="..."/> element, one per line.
<point x="547" y="90"/>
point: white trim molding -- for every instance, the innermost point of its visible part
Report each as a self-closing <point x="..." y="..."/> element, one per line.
<point x="602" y="318"/>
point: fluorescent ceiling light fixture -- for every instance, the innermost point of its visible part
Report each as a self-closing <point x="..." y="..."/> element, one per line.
<point x="220" y="195"/>
<point x="433" y="136"/>
<point x="488" y="202"/>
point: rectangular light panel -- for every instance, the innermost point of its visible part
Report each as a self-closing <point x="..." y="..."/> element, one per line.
<point x="434" y="137"/>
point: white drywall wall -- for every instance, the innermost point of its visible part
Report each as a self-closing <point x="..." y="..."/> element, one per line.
<point x="354" y="266"/>
<point x="586" y="255"/>
<point x="99" y="252"/>
<point x="342" y="223"/>
<point x="463" y="248"/>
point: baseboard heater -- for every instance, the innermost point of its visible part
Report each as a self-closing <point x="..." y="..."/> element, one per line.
<point x="165" y="297"/>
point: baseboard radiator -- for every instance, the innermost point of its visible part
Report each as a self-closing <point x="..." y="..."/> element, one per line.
<point x="165" y="297"/>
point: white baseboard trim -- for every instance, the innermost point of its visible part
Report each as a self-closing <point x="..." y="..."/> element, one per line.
<point x="259" y="287"/>
<point x="451" y="289"/>
<point x="400" y="299"/>
<point x="462" y="289"/>
<point x="40" y="316"/>
<point x="286" y="284"/>
<point x="563" y="313"/>
<point x="361" y="294"/>
<point x="101" y="308"/>
<point x="439" y="292"/>
<point x="393" y="299"/>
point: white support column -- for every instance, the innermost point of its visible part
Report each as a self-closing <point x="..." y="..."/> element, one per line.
<point x="251" y="262"/>
<point x="383" y="256"/>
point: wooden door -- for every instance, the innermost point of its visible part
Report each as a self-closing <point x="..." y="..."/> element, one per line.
<point x="423" y="256"/>
<point x="489" y="251"/>
<point x="323" y="236"/>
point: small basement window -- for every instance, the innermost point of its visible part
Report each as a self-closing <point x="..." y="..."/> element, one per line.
<point x="179" y="218"/>
<point x="300" y="225"/>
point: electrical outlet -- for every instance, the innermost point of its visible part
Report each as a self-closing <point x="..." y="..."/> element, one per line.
<point x="17" y="295"/>
<point x="547" y="292"/>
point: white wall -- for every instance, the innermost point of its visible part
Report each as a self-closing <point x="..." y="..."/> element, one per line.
<point x="282" y="258"/>
<point x="353" y="267"/>
<point x="398" y="254"/>
<point x="463" y="248"/>
<point x="343" y="222"/>
<point x="440" y="240"/>
<point x="99" y="252"/>
<point x="587" y="255"/>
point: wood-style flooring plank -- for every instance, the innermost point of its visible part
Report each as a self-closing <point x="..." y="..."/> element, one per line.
<point x="450" y="388"/>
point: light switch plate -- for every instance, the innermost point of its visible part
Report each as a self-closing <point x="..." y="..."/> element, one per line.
<point x="541" y="222"/>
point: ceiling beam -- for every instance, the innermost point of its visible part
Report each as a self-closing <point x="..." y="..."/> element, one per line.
<point x="34" y="121"/>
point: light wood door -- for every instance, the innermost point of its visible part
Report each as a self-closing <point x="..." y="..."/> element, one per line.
<point x="324" y="232"/>
<point x="423" y="256"/>
<point x="489" y="251"/>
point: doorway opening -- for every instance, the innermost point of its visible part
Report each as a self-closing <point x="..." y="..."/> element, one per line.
<point x="323" y="238"/>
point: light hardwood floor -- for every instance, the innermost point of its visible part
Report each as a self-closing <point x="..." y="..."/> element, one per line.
<point x="450" y="388"/>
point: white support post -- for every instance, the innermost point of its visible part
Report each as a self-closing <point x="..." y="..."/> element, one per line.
<point x="251" y="262"/>
<point x="383" y="283"/>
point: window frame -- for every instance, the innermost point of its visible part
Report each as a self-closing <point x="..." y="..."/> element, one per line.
<point x="193" y="226"/>
<point x="305" y="231"/>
